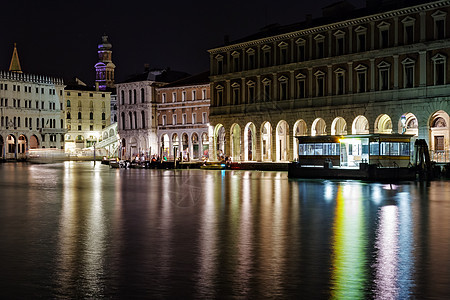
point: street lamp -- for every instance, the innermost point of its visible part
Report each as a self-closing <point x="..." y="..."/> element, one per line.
<point x="403" y="120"/>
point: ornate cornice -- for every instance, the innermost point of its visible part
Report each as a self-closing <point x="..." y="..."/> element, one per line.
<point x="335" y="26"/>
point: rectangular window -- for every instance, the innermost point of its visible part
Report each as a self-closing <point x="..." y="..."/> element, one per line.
<point x="236" y="96"/>
<point x="440" y="29"/>
<point x="174" y="119"/>
<point x="204" y="94"/>
<point x="184" y="119"/>
<point x="283" y="90"/>
<point x="361" y="82"/>
<point x="183" y="96"/>
<point x="340" y="84"/>
<point x="440" y="73"/>
<point x="320" y="86"/>
<point x="194" y="95"/>
<point x="361" y="42"/>
<point x="267" y="92"/>
<point x="251" y="94"/>
<point x="174" y="97"/>
<point x="409" y="34"/>
<point x="251" y="61"/>
<point x="220" y="67"/>
<point x="301" y="52"/>
<point x="320" y="49"/>
<point x="384" y="38"/>
<point x="301" y="89"/>
<point x="340" y="46"/>
<point x="384" y="79"/>
<point x="283" y="56"/>
<point x="267" y="59"/>
<point x="194" y="118"/>
<point x="163" y="98"/>
<point x="236" y="64"/>
<point x="219" y="98"/>
<point x="409" y="76"/>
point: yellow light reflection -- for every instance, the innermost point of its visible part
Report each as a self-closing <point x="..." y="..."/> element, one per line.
<point x="349" y="273"/>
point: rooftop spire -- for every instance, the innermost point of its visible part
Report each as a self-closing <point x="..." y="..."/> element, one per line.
<point x="15" y="64"/>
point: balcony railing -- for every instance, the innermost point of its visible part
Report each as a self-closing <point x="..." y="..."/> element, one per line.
<point x="440" y="156"/>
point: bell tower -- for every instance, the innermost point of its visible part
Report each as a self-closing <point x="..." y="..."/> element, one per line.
<point x="104" y="69"/>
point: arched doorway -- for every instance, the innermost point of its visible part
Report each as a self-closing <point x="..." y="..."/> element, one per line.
<point x="250" y="142"/>
<point x="383" y="124"/>
<point x="205" y="145"/>
<point x="266" y="141"/>
<point x="34" y="142"/>
<point x="1" y="147"/>
<point x="282" y="136"/>
<point x="185" y="143"/>
<point x="22" y="146"/>
<point x="360" y="125"/>
<point x="165" y="144"/>
<point x="319" y="127"/>
<point x="411" y="126"/>
<point x="439" y="136"/>
<point x="10" y="146"/>
<point x="219" y="141"/>
<point x="339" y="126"/>
<point x="175" y="145"/>
<point x="236" y="142"/>
<point x="195" y="146"/>
<point x="300" y="129"/>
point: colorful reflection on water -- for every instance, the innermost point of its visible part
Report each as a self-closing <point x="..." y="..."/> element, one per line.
<point x="76" y="230"/>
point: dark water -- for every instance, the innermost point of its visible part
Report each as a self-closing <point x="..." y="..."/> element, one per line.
<point x="78" y="231"/>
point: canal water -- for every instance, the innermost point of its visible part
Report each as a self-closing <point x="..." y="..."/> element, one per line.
<point x="76" y="230"/>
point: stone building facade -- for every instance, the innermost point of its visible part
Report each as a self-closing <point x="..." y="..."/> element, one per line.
<point x="31" y="112"/>
<point x="136" y="103"/>
<point x="183" y="118"/>
<point x="380" y="69"/>
<point x="87" y="112"/>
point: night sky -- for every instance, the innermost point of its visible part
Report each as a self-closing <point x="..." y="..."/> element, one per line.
<point x="59" y="38"/>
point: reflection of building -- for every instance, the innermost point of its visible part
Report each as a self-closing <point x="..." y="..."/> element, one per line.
<point x="30" y="112"/>
<point x="87" y="114"/>
<point x="364" y="72"/>
<point x="183" y="108"/>
<point x="137" y="110"/>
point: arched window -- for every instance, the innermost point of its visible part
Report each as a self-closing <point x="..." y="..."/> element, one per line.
<point x="142" y="96"/>
<point x="68" y="115"/>
<point x="79" y="115"/>
<point x="123" y="120"/>
<point x="122" y="97"/>
<point x="91" y="116"/>
<point x="135" y="96"/>
<point x="130" y="114"/>
<point x="103" y="116"/>
<point x="143" y="118"/>
<point x="68" y="103"/>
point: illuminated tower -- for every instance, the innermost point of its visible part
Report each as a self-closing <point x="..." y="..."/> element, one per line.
<point x="15" y="64"/>
<point x="104" y="68"/>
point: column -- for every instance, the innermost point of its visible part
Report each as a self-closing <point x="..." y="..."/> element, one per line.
<point x="350" y="39"/>
<point x="350" y="77"/>
<point x="292" y="85"/>
<point x="423" y="26"/>
<point x="310" y="83"/>
<point x="395" y="72"/>
<point x="372" y="35"/>
<point x="372" y="74"/>
<point x="396" y="31"/>
<point x="330" y="81"/>
<point x="423" y="68"/>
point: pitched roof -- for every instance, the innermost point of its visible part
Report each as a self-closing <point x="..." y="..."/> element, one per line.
<point x="15" y="64"/>
<point x="197" y="79"/>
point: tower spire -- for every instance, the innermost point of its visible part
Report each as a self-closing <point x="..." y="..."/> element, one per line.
<point x="105" y="67"/>
<point x="15" y="64"/>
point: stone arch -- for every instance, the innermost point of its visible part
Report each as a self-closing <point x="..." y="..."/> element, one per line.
<point x="360" y="125"/>
<point x="111" y="132"/>
<point x="165" y="146"/>
<point x="10" y="146"/>
<point x="22" y="145"/>
<point x="185" y="145"/>
<point x="411" y="125"/>
<point x="195" y="145"/>
<point x="219" y="141"/>
<point x="439" y="133"/>
<point x="266" y="141"/>
<point x="319" y="127"/>
<point x="250" y="142"/>
<point x="383" y="124"/>
<point x="133" y="146"/>
<point x="175" y="145"/>
<point x="282" y="141"/>
<point x="34" y="142"/>
<point x="339" y="126"/>
<point x="205" y="145"/>
<point x="105" y="135"/>
<point x="235" y="142"/>
<point x="300" y="129"/>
